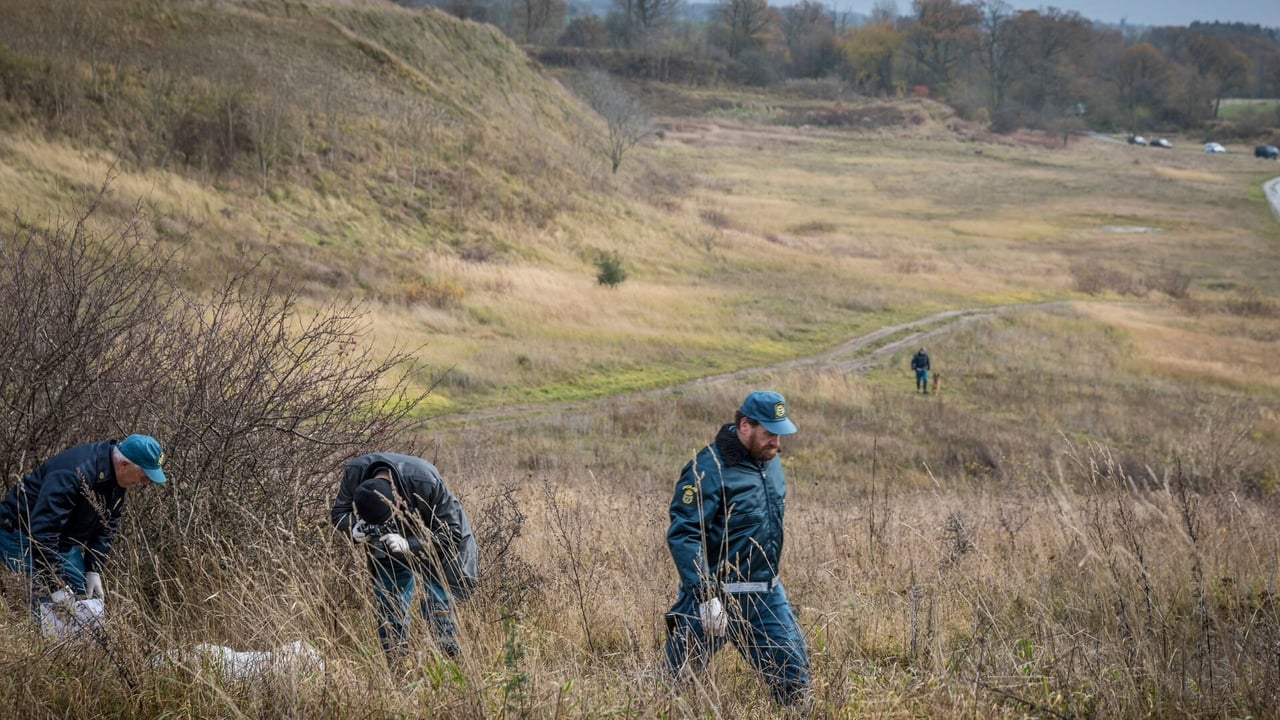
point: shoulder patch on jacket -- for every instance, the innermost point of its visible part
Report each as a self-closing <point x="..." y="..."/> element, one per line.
<point x="688" y="494"/>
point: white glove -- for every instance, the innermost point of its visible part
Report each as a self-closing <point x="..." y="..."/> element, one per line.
<point x="358" y="533"/>
<point x="395" y="543"/>
<point x="93" y="585"/>
<point x="715" y="621"/>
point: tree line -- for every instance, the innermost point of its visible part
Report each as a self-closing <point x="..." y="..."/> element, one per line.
<point x="1044" y="68"/>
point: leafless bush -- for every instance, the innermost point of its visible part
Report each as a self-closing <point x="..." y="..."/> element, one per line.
<point x="256" y="403"/>
<point x="1093" y="278"/>
<point x="717" y="219"/>
<point x="77" y="305"/>
<point x="506" y="580"/>
<point x="1171" y="282"/>
<point x="626" y="117"/>
<point x="1251" y="303"/>
<point x="958" y="534"/>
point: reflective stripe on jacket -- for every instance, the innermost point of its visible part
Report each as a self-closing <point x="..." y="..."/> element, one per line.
<point x="726" y="517"/>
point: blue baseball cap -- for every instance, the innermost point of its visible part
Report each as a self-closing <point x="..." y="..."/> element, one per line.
<point x="144" y="451"/>
<point x="770" y="410"/>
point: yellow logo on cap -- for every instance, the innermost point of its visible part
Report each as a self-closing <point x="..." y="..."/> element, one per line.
<point x="780" y="410"/>
<point x="160" y="460"/>
<point x="689" y="492"/>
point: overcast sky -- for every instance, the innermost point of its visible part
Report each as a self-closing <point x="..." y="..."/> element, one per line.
<point x="1136" y="12"/>
<point x="1168" y="12"/>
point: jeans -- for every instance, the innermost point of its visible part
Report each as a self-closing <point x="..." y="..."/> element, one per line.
<point x="394" y="581"/>
<point x="922" y="379"/>
<point x="762" y="626"/>
<point x="15" y="550"/>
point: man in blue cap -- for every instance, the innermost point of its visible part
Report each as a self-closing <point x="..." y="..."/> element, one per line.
<point x="56" y="525"/>
<point x="726" y="540"/>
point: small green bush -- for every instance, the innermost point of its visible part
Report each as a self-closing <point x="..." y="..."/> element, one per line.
<point x="610" y="270"/>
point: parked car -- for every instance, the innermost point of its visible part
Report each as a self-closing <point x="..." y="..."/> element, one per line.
<point x="1213" y="147"/>
<point x="1137" y="140"/>
<point x="1269" y="152"/>
<point x="1161" y="142"/>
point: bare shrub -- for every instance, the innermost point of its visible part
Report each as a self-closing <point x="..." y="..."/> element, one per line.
<point x="507" y="581"/>
<point x="1251" y="303"/>
<point x="813" y="227"/>
<point x="438" y="294"/>
<point x="910" y="265"/>
<point x="78" y="305"/>
<point x="958" y="533"/>
<point x="717" y="219"/>
<point x="1172" y="282"/>
<point x="257" y="403"/>
<point x="1093" y="278"/>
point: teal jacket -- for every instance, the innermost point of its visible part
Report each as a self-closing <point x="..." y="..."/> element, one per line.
<point x="726" y="517"/>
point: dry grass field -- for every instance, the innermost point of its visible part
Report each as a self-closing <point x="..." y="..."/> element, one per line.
<point x="1082" y="523"/>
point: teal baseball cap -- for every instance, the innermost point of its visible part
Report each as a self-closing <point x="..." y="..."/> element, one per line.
<point x="145" y="452"/>
<point x="770" y="410"/>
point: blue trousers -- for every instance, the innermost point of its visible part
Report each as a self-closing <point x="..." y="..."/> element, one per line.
<point x="393" y="583"/>
<point x="762" y="626"/>
<point x="15" y="550"/>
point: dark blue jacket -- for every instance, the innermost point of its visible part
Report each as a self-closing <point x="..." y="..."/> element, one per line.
<point x="726" y="517"/>
<point x="70" y="499"/>
<point x="440" y="533"/>
<point x="920" y="361"/>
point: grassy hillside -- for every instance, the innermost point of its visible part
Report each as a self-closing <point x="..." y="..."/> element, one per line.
<point x="1080" y="524"/>
<point x="424" y="164"/>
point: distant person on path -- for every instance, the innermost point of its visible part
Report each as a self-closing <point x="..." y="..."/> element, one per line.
<point x="57" y="523"/>
<point x="920" y="363"/>
<point x="726" y="540"/>
<point x="399" y="509"/>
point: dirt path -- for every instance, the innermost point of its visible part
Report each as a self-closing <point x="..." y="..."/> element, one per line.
<point x="856" y="355"/>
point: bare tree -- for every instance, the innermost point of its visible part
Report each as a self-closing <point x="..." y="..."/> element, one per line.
<point x="1143" y="78"/>
<point x="1219" y="61"/>
<point x="538" y="20"/>
<point x="809" y="30"/>
<point x="746" y="24"/>
<point x="627" y="119"/>
<point x="642" y="18"/>
<point x="944" y="35"/>
<point x="997" y="49"/>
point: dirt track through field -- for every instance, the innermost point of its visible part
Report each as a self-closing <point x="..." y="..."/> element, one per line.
<point x="856" y="355"/>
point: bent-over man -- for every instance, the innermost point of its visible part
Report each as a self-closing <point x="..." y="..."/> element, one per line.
<point x="57" y="523"/>
<point x="400" y="510"/>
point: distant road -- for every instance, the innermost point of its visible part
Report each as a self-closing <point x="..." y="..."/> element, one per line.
<point x="1271" y="189"/>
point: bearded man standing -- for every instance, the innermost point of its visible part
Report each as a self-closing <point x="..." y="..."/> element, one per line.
<point x="726" y="540"/>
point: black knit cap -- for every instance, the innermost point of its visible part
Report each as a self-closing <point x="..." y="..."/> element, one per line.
<point x="374" y="500"/>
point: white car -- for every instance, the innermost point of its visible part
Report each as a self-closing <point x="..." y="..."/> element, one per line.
<point x="1137" y="140"/>
<point x="1161" y="143"/>
<point x="1213" y="147"/>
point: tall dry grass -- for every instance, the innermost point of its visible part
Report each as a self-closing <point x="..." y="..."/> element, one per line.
<point x="1065" y="584"/>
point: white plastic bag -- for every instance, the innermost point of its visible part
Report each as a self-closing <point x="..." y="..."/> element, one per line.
<point x="60" y="624"/>
<point x="292" y="660"/>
